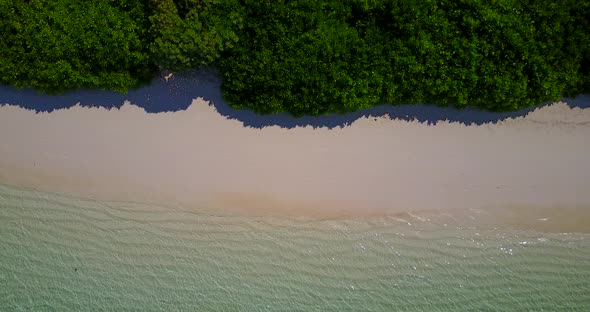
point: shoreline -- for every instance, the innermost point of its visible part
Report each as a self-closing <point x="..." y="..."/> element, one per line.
<point x="198" y="159"/>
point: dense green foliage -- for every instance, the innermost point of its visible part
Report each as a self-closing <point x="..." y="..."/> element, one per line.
<point x="59" y="45"/>
<point x="191" y="34"/>
<point x="304" y="57"/>
<point x="309" y="57"/>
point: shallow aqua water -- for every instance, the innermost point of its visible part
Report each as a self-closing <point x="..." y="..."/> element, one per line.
<point x="59" y="253"/>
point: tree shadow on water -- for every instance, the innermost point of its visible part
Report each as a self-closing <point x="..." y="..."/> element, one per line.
<point x="177" y="93"/>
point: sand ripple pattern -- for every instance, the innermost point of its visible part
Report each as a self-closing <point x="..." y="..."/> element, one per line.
<point x="59" y="253"/>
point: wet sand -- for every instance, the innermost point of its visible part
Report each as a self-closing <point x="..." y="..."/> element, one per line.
<point x="199" y="160"/>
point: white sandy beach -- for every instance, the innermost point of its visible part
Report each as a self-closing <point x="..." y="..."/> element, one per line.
<point x="197" y="159"/>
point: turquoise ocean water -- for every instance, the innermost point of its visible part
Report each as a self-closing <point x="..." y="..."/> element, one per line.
<point x="59" y="253"/>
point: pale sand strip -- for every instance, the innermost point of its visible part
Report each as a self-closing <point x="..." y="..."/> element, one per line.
<point x="199" y="159"/>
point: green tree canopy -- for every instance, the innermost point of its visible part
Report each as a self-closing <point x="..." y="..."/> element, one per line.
<point x="60" y="45"/>
<point x="191" y="34"/>
<point x="305" y="57"/>
<point x="308" y="57"/>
